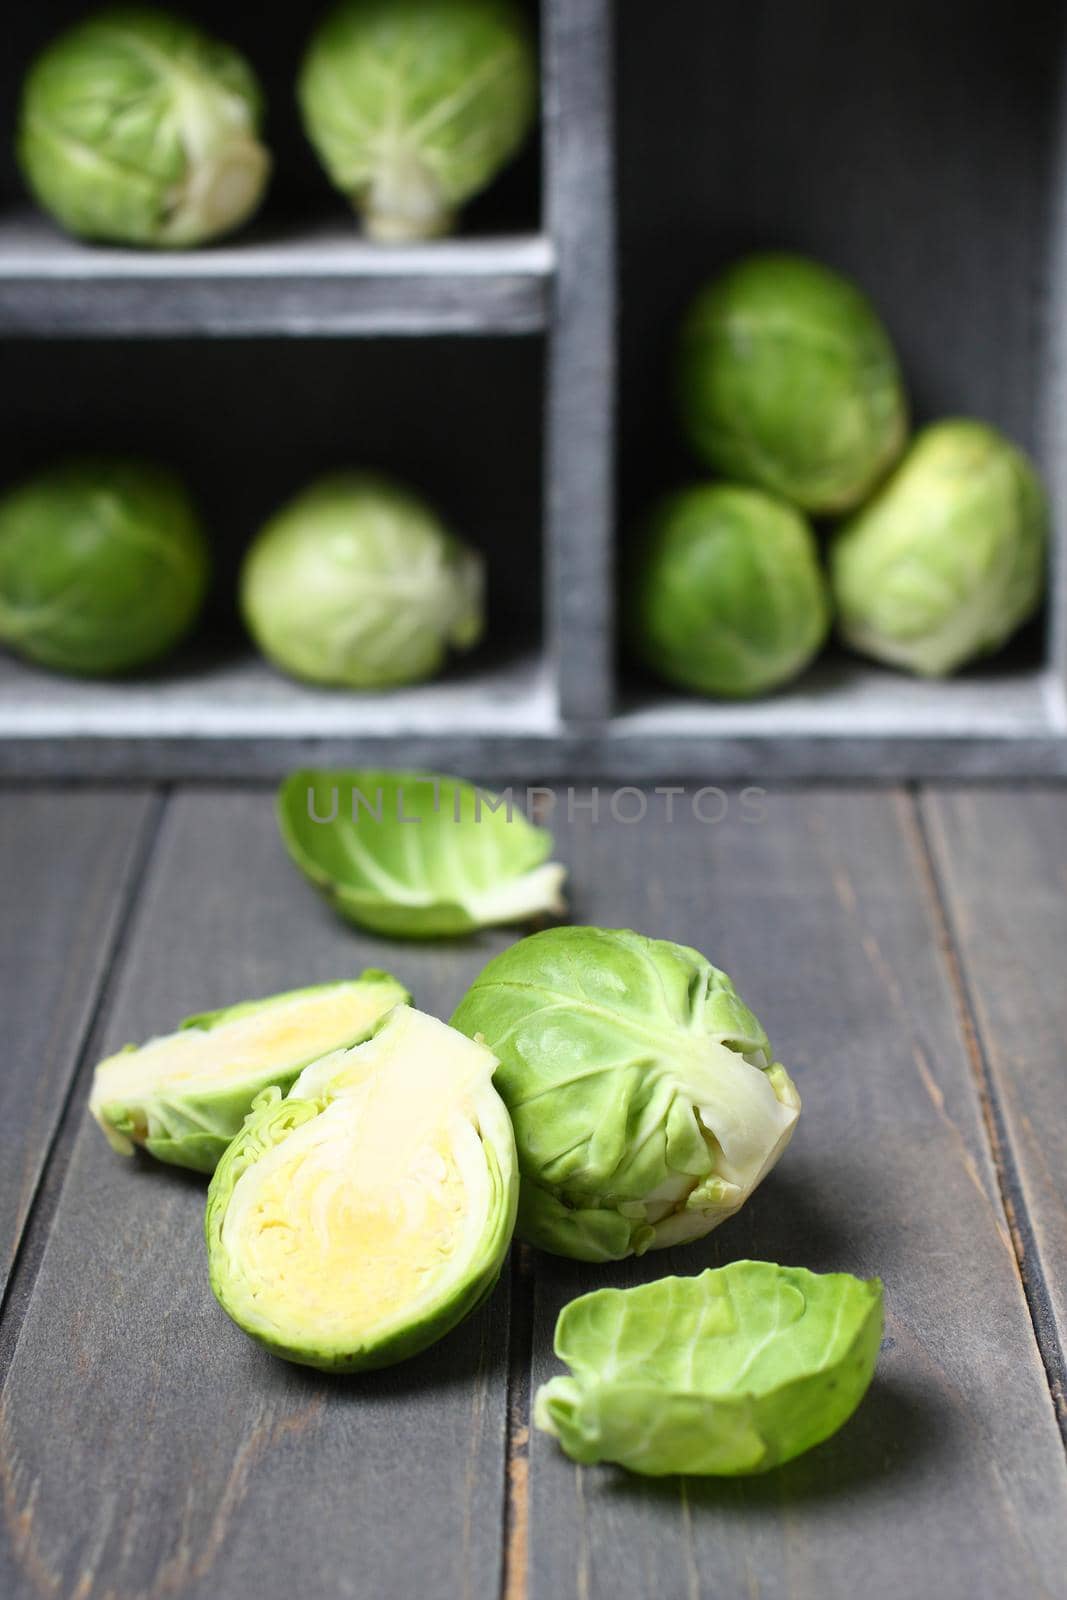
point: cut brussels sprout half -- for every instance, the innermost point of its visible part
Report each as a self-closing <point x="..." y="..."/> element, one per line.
<point x="727" y="1373"/>
<point x="948" y="559"/>
<point x="137" y="127"/>
<point x="789" y="381"/>
<point x="416" y="855"/>
<point x="182" y="1097"/>
<point x="414" y="105"/>
<point x="355" y="1221"/>
<point x="646" y="1102"/>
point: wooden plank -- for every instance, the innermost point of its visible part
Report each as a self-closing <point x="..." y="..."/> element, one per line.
<point x="950" y="1480"/>
<point x="147" y="1446"/>
<point x="580" y="444"/>
<point x="1001" y="862"/>
<point x="66" y="865"/>
<point x="326" y="284"/>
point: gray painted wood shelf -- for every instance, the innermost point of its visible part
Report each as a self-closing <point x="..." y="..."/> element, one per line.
<point x="562" y="706"/>
<point x="327" y="283"/>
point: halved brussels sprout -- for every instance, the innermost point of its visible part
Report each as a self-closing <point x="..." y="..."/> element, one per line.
<point x="138" y="128"/>
<point x="355" y="1221"/>
<point x="727" y="595"/>
<point x="183" y="1096"/>
<point x="727" y="1373"/>
<point x="414" y="105"/>
<point x="948" y="559"/>
<point x="789" y="381"/>
<point x="646" y="1102"/>
<point x="357" y="583"/>
<point x="103" y="565"/>
<point x="416" y="855"/>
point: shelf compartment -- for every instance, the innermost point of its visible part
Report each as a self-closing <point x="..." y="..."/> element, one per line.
<point x="327" y="283"/>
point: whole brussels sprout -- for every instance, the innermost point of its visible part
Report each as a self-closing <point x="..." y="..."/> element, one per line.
<point x="357" y="583"/>
<point x="949" y="557"/>
<point x="726" y="595"/>
<point x="646" y="1102"/>
<point x="413" y="106"/>
<point x="137" y="128"/>
<point x="103" y="566"/>
<point x="788" y="381"/>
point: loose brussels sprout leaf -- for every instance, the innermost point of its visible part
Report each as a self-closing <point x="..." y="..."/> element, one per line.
<point x="726" y="594"/>
<point x="136" y="127"/>
<point x="355" y="1221"/>
<point x="103" y="566"/>
<point x="646" y="1102"/>
<point x="413" y="106"/>
<point x="356" y="583"/>
<point x="948" y="559"/>
<point x="789" y="381"/>
<point x="730" y="1372"/>
<point x="415" y="855"/>
<point x="182" y="1097"/>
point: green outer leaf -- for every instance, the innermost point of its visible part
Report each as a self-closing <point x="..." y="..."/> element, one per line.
<point x="949" y="557"/>
<point x="272" y="1119"/>
<point x="192" y="1128"/>
<point x="726" y="593"/>
<point x="138" y="128"/>
<point x="731" y="1372"/>
<point x="413" y="106"/>
<point x="646" y="1102"/>
<point x="788" y="380"/>
<point x="416" y="880"/>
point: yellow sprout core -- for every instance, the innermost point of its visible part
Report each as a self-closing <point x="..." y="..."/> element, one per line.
<point x="366" y="1213"/>
<point x="293" y="1030"/>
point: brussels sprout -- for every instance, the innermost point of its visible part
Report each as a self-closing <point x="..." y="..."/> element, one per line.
<point x="646" y="1102"/>
<point x="182" y="1097"/>
<point x="727" y="1373"/>
<point x="136" y="127"/>
<point x="949" y="557"/>
<point x="103" y="566"/>
<point x="416" y="855"/>
<point x="413" y="106"/>
<point x="789" y="381"/>
<point x="355" y="1221"/>
<point x="356" y="583"/>
<point x="727" y="595"/>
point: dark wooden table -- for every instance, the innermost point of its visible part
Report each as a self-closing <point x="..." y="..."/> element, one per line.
<point x="906" y="951"/>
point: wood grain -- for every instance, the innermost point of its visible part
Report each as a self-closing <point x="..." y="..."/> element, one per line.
<point x="1001" y="861"/>
<point x="147" y="1448"/>
<point x="65" y="874"/>
<point x="950" y="1480"/>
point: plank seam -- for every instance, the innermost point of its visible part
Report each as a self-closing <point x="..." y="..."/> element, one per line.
<point x="514" y="1542"/>
<point x="36" y="1228"/>
<point x="1005" y="1165"/>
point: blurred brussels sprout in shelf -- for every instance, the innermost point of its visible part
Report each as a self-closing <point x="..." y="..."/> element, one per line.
<point x="103" y="566"/>
<point x="136" y="128"/>
<point x="788" y="381"/>
<point x="416" y="855"/>
<point x="731" y="1372"/>
<point x="726" y="594"/>
<point x="948" y="559"/>
<point x="357" y="1220"/>
<point x="183" y="1096"/>
<point x="413" y="106"/>
<point x="646" y="1101"/>
<point x="357" y="584"/>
